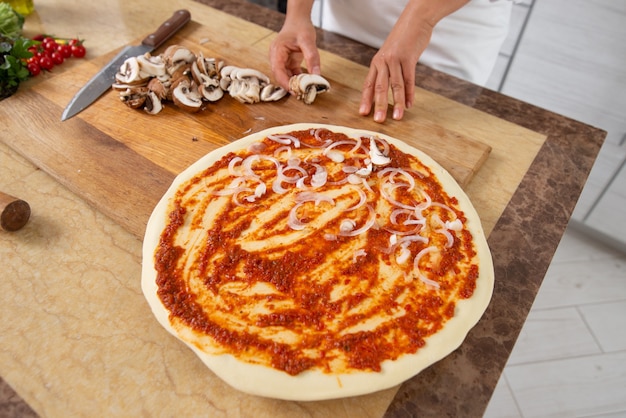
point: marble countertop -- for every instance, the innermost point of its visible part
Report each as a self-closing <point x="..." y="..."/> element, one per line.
<point x="54" y="245"/>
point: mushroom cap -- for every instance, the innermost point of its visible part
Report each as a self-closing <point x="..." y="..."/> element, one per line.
<point x="130" y="73"/>
<point x="272" y="93"/>
<point x="211" y="93"/>
<point x="185" y="97"/>
<point x="134" y="97"/>
<point x="157" y="86"/>
<point x="152" y="65"/>
<point x="308" y="86"/>
<point x="250" y="73"/>
<point x="177" y="53"/>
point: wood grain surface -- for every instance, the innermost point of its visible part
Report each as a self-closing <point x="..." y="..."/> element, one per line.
<point x="122" y="160"/>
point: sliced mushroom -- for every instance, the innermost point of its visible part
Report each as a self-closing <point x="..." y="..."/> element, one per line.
<point x="160" y="87"/>
<point x="129" y="73"/>
<point x="376" y="155"/>
<point x="246" y="90"/>
<point x="308" y="86"/>
<point x="153" y="104"/>
<point x="176" y="56"/>
<point x="134" y="97"/>
<point x="176" y="53"/>
<point x="174" y="82"/>
<point x="208" y="66"/>
<point x="205" y="74"/>
<point x="249" y="73"/>
<point x="272" y="93"/>
<point x="151" y="65"/>
<point x="186" y="97"/>
<point x="243" y="84"/>
<point x="211" y="90"/>
<point x="225" y="77"/>
<point x="122" y="87"/>
<point x="181" y="70"/>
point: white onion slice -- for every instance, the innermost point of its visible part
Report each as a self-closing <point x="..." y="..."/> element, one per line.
<point x="455" y="225"/>
<point x="391" y="173"/>
<point x="260" y="190"/>
<point x="285" y="139"/>
<point x="315" y="197"/>
<point x="387" y="195"/>
<point x="358" y="253"/>
<point x="421" y="275"/>
<point x="293" y="162"/>
<point x="280" y="150"/>
<point x="367" y="186"/>
<point x="404" y="255"/>
<point x="393" y="239"/>
<point x="393" y="217"/>
<point x="336" y="156"/>
<point x="250" y="160"/>
<point x="249" y="198"/>
<point x="354" y="179"/>
<point x="368" y="224"/>
<point x="318" y="138"/>
<point x="356" y="143"/>
<point x="361" y="202"/>
<point x="320" y="177"/>
<point x="292" y="179"/>
<point x="293" y="221"/>
<point x="406" y="240"/>
<point x="231" y="166"/>
<point x="443" y="206"/>
<point x="300" y="183"/>
<point x="277" y="187"/>
<point x="257" y="147"/>
<point x="448" y="235"/>
<point x="347" y="225"/>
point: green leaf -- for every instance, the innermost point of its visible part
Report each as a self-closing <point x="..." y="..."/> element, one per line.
<point x="20" y="48"/>
<point x="13" y="69"/>
<point x="10" y="21"/>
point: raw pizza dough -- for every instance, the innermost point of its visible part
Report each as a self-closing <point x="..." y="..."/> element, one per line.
<point x="259" y="378"/>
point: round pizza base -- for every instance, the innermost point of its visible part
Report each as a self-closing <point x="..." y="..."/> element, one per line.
<point x="315" y="385"/>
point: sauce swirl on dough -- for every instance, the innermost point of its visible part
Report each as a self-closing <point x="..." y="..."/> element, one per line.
<point x="310" y="251"/>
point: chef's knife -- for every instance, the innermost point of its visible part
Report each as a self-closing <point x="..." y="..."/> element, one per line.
<point x="103" y="80"/>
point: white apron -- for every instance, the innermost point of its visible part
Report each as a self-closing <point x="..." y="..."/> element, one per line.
<point x="464" y="44"/>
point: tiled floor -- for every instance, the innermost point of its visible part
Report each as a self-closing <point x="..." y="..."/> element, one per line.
<point x="570" y="359"/>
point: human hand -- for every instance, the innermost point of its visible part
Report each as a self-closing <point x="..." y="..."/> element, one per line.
<point x="393" y="68"/>
<point x="295" y="43"/>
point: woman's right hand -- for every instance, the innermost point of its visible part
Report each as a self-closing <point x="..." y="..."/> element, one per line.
<point x="295" y="44"/>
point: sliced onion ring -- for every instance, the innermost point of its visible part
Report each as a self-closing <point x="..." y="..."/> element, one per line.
<point x="368" y="224"/>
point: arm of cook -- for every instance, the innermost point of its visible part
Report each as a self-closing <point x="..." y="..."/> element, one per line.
<point x="393" y="66"/>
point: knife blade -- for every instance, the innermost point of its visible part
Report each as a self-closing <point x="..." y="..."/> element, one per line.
<point x="103" y="80"/>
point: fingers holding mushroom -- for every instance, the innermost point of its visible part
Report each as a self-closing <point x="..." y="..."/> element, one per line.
<point x="306" y="87"/>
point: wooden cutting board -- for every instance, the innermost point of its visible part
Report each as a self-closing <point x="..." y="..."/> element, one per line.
<point x="122" y="160"/>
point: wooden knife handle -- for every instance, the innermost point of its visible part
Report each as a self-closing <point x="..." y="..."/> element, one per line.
<point x="172" y="25"/>
<point x="14" y="213"/>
